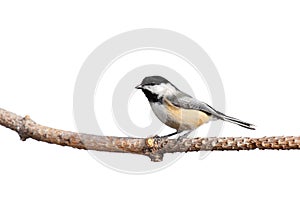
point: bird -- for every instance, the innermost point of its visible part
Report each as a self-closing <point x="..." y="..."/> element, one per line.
<point x="179" y="110"/>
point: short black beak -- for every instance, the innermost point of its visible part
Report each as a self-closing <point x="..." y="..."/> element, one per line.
<point x="140" y="86"/>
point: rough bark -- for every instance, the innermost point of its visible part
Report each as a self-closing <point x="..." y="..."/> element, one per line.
<point x="153" y="147"/>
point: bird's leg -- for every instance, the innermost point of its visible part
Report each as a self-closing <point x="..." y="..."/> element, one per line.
<point x="184" y="135"/>
<point x="171" y="134"/>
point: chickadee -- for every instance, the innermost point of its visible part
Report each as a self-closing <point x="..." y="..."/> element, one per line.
<point x="179" y="110"/>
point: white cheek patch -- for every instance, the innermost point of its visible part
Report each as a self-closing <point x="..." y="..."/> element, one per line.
<point x="158" y="89"/>
<point x="162" y="89"/>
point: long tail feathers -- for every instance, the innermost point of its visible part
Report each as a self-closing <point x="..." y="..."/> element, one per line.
<point x="237" y="121"/>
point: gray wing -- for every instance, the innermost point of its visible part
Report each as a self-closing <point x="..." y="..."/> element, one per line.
<point x="186" y="101"/>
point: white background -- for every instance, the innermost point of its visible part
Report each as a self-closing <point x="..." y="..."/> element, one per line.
<point x="255" y="46"/>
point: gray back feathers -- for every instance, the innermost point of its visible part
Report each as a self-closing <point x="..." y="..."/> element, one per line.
<point x="187" y="102"/>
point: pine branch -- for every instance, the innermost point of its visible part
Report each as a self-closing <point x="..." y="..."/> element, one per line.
<point x="153" y="147"/>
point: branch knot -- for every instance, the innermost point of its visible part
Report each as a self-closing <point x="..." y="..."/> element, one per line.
<point x="23" y="131"/>
<point x="154" y="148"/>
